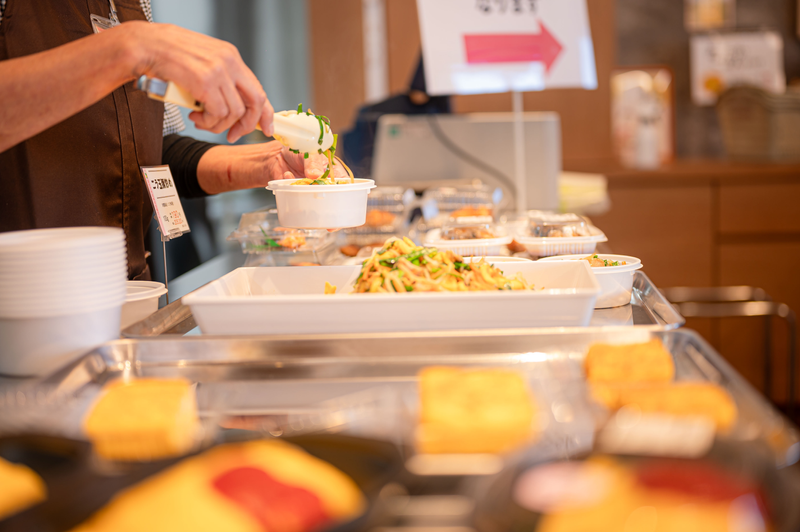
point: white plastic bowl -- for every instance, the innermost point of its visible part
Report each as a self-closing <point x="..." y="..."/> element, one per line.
<point x="321" y="206"/>
<point x="38" y="346"/>
<point x="59" y="306"/>
<point x="616" y="282"/>
<point x="141" y="301"/>
<point x="60" y="238"/>
<point x="473" y="247"/>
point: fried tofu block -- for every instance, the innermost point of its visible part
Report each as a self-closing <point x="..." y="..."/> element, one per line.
<point x="681" y="399"/>
<point x="473" y="411"/>
<point x="20" y="488"/>
<point x="144" y="419"/>
<point x="647" y="362"/>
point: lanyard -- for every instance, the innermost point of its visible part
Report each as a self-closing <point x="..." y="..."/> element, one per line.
<point x="113" y="15"/>
<point x="100" y="24"/>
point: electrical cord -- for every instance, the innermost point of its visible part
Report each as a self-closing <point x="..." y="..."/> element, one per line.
<point x="440" y="135"/>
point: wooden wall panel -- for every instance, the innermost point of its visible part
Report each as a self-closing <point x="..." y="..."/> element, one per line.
<point x="663" y="226"/>
<point x="337" y="59"/>
<point x="760" y="208"/>
<point x="773" y="267"/>
<point x="403" y="42"/>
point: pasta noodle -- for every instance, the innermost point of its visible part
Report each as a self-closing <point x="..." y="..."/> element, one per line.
<point x="401" y="266"/>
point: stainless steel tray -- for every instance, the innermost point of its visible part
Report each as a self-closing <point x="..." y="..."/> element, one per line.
<point x="649" y="310"/>
<point x="298" y="384"/>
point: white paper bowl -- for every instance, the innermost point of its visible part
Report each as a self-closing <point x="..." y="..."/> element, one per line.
<point x="321" y="206"/>
<point x="58" y="239"/>
<point x="38" y="346"/>
<point x="616" y="282"/>
<point x="141" y="301"/>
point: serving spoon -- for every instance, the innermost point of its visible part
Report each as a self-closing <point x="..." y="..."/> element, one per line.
<point x="300" y="131"/>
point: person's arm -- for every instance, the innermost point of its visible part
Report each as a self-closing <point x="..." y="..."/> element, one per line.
<point x="226" y="168"/>
<point x="40" y="90"/>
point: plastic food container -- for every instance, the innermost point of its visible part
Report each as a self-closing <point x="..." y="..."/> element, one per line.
<point x="321" y="206"/>
<point x="141" y="300"/>
<point x="387" y="216"/>
<point x="266" y="243"/>
<point x="616" y="282"/>
<point x="547" y="234"/>
<point x="467" y="200"/>
<point x="469" y="236"/>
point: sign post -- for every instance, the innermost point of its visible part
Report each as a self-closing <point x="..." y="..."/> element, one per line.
<point x="167" y="207"/>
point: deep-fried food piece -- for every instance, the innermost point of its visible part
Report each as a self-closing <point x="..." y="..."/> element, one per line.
<point x="378" y="218"/>
<point x="473" y="410"/>
<point x="471" y="211"/>
<point x="144" y="419"/>
<point x="647" y="362"/>
<point x="515" y="247"/>
<point x="20" y="488"/>
<point x="680" y="399"/>
<point x="350" y="250"/>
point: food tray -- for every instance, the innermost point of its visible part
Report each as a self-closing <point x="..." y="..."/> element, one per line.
<point x="549" y="246"/>
<point x="346" y="383"/>
<point x="648" y="310"/>
<point x="473" y="247"/>
<point x="291" y="301"/>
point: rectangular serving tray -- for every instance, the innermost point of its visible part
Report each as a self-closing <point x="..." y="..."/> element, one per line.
<point x="648" y="309"/>
<point x="258" y="301"/>
<point x="349" y="383"/>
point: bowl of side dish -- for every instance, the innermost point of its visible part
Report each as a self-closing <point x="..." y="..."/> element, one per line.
<point x="613" y="272"/>
<point x="321" y="206"/>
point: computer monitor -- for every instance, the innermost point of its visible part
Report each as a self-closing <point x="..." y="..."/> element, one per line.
<point x="424" y="150"/>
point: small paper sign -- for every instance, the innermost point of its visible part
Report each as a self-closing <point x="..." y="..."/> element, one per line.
<point x="725" y="60"/>
<point x="165" y="200"/>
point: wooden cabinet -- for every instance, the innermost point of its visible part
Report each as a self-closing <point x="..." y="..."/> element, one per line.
<point x="715" y="224"/>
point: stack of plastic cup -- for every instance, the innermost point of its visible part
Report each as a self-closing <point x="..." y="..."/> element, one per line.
<point x="61" y="293"/>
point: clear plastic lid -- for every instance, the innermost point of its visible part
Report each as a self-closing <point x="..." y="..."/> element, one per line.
<point x="460" y="201"/>
<point x="387" y="213"/>
<point x="470" y="228"/>
<point x="260" y="232"/>
<point x="544" y="224"/>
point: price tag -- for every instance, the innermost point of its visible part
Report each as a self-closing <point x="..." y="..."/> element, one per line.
<point x="165" y="200"/>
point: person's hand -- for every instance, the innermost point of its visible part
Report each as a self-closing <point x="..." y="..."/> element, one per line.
<point x="289" y="165"/>
<point x="210" y="69"/>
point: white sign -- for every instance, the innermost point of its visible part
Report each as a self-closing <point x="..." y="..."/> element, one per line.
<point x="725" y="60"/>
<point x="166" y="203"/>
<point x="485" y="46"/>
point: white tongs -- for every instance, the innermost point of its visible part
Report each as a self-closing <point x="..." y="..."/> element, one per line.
<point x="300" y="131"/>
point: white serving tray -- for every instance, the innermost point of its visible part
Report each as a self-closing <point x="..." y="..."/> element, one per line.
<point x="290" y="300"/>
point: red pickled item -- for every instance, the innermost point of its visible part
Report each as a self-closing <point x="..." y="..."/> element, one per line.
<point x="277" y="506"/>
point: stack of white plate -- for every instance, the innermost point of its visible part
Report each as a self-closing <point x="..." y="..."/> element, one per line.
<point x="61" y="293"/>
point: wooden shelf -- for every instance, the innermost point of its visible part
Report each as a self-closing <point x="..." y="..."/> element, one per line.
<point x="686" y="171"/>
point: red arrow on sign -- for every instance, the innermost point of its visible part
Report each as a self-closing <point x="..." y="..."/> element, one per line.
<point x="513" y="47"/>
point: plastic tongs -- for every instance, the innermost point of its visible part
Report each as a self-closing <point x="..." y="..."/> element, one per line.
<point x="299" y="131"/>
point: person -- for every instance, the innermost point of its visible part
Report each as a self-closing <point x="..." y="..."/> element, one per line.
<point x="359" y="142"/>
<point x="74" y="131"/>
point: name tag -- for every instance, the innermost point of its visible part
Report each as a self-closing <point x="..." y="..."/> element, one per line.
<point x="166" y="203"/>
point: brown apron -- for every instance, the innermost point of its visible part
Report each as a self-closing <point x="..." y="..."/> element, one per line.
<point x="84" y="170"/>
